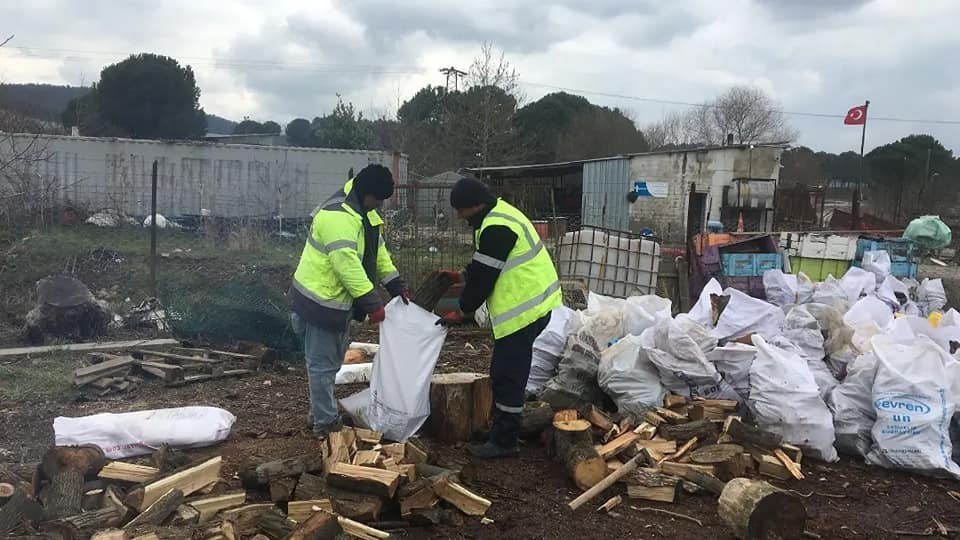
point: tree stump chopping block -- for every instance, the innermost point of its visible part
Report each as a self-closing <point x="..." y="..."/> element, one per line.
<point x="756" y="510"/>
<point x="574" y="446"/>
<point x="460" y="405"/>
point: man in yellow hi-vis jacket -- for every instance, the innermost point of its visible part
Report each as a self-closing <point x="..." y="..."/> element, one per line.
<point x="512" y="272"/>
<point x="343" y="260"/>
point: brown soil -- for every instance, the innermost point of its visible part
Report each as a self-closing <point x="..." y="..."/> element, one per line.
<point x="529" y="494"/>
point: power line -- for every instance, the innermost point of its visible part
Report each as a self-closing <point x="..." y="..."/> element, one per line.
<point x="74" y="55"/>
<point x="708" y="106"/>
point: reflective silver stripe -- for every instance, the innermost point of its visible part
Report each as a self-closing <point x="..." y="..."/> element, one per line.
<point x="316" y="245"/>
<point x="341" y="244"/>
<point x="382" y="241"/>
<point x="528" y="256"/>
<point x="487" y="260"/>
<point x="332" y="246"/>
<point x="509" y="409"/>
<point x="530" y="239"/>
<point x="332" y="304"/>
<point x="529" y="304"/>
<point x="390" y="277"/>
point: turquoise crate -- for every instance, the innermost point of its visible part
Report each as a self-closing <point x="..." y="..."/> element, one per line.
<point x="749" y="264"/>
<point x="899" y="249"/>
<point x="900" y="269"/>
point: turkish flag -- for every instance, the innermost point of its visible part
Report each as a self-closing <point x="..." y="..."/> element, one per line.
<point x="856" y="116"/>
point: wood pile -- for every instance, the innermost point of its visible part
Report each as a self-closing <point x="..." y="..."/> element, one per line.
<point x="109" y="374"/>
<point x="355" y="484"/>
<point x="686" y="445"/>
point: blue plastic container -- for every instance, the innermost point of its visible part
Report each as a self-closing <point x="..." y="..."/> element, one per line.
<point x="749" y="264"/>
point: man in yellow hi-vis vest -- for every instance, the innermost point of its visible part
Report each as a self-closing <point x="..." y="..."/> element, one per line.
<point x="343" y="260"/>
<point x="512" y="272"/>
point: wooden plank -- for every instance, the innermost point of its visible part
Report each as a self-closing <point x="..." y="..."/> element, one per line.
<point x="368" y="435"/>
<point x="414" y="454"/>
<point x="682" y="450"/>
<point x="793" y="452"/>
<point x="226" y="374"/>
<point x="646" y="431"/>
<point x="789" y="464"/>
<point x="611" y="503"/>
<point x="598" y="418"/>
<point x="159" y="510"/>
<point x="659" y="446"/>
<point x="671" y="416"/>
<point x="364" y="479"/>
<point x="361" y="531"/>
<point x="702" y="412"/>
<point x="176" y="358"/>
<point x="244" y="518"/>
<point x="614" y="447"/>
<point x="397" y="451"/>
<point x="78" y="347"/>
<point x="678" y="469"/>
<point x="187" y="481"/>
<point x="301" y="510"/>
<point x="161" y="370"/>
<point x="729" y="405"/>
<point x="128" y="472"/>
<point x="770" y="466"/>
<point x="465" y="500"/>
<point x="654" y="418"/>
<point x="210" y="353"/>
<point x="673" y="400"/>
<point x="87" y="375"/>
<point x="210" y="506"/>
<point x="367" y="458"/>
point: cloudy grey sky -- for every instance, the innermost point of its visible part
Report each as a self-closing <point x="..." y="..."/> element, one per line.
<point x="283" y="59"/>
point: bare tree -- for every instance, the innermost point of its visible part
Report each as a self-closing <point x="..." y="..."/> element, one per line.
<point x="485" y="118"/>
<point x="746" y="112"/>
<point x="670" y="131"/>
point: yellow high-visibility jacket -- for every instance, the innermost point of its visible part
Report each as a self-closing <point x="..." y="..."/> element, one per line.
<point x="330" y="279"/>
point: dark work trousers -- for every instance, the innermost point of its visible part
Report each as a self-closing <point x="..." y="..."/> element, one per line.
<point x="509" y="371"/>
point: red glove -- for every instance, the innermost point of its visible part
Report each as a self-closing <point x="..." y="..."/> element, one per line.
<point x="405" y="297"/>
<point x="378" y="316"/>
<point x="454" y="277"/>
<point x="453" y="318"/>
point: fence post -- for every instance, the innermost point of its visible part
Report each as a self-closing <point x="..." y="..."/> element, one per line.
<point x="153" y="231"/>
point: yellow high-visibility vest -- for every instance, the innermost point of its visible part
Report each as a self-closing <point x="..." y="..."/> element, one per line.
<point x="331" y="270"/>
<point x="527" y="288"/>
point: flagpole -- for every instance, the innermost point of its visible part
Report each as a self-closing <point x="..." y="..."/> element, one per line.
<point x="856" y="198"/>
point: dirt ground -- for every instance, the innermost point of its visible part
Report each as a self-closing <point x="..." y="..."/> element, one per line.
<point x="529" y="494"/>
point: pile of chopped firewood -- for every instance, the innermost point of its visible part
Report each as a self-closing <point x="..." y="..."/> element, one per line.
<point x="355" y="483"/>
<point x="109" y="374"/>
<point x="685" y="446"/>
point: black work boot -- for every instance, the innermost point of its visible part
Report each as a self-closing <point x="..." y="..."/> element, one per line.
<point x="490" y="450"/>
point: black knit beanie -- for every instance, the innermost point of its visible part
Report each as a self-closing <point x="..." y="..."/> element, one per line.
<point x="469" y="192"/>
<point x="374" y="180"/>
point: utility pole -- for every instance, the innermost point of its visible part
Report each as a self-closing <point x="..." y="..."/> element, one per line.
<point x="455" y="74"/>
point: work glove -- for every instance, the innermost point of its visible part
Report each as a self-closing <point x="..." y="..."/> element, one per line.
<point x="405" y="297"/>
<point x="378" y="316"/>
<point x="454" y="318"/>
<point x="454" y="276"/>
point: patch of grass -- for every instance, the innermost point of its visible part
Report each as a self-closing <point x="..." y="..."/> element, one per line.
<point x="46" y="378"/>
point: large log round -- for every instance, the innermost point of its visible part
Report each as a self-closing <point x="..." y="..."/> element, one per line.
<point x="756" y="510"/>
<point x="574" y="445"/>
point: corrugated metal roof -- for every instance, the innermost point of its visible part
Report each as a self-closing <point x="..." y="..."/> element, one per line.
<point x="180" y="142"/>
<point x="562" y="164"/>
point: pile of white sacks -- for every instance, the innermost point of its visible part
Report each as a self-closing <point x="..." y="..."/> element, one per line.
<point x="861" y="365"/>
